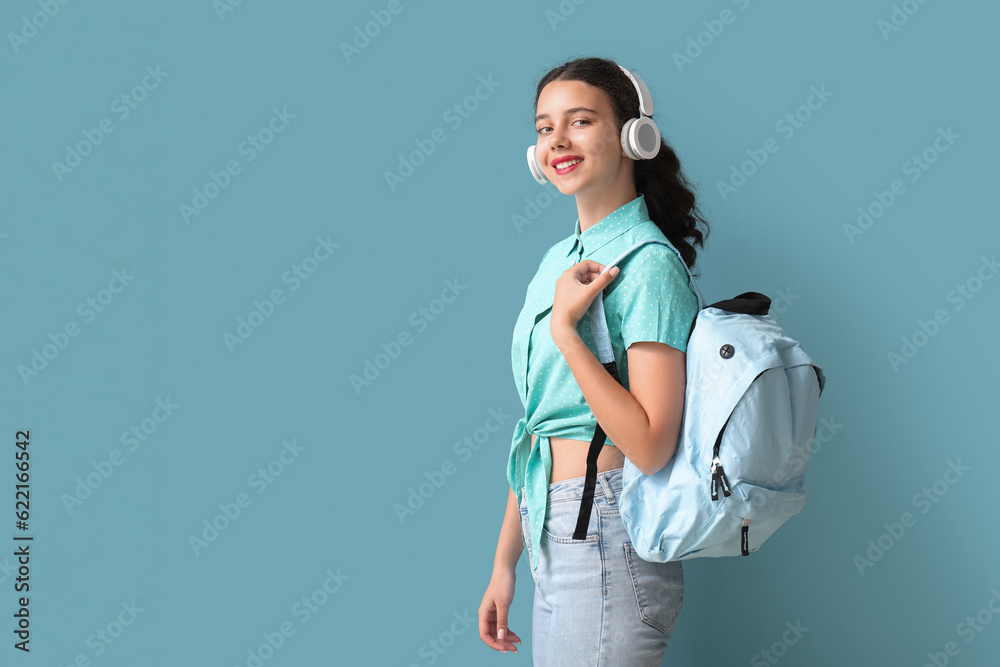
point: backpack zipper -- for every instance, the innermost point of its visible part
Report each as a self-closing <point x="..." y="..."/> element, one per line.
<point x="718" y="474"/>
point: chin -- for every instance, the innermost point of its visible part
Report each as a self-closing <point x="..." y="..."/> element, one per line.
<point x="566" y="188"/>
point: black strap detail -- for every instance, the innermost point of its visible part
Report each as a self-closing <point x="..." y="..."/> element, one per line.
<point x="590" y="482"/>
<point x="748" y="303"/>
<point x="745" y="539"/>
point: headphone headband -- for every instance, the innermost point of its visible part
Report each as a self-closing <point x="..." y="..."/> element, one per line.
<point x="645" y="99"/>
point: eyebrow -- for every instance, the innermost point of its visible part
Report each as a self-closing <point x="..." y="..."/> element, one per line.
<point x="567" y="112"/>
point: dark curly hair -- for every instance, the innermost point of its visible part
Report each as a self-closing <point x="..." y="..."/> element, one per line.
<point x="668" y="194"/>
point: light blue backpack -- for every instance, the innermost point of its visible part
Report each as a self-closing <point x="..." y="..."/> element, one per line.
<point x="750" y="416"/>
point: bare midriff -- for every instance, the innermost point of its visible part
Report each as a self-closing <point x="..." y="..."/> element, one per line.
<point x="569" y="458"/>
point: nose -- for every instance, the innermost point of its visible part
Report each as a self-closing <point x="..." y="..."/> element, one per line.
<point x="557" y="139"/>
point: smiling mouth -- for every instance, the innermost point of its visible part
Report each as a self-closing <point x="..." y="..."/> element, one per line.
<point x="566" y="164"/>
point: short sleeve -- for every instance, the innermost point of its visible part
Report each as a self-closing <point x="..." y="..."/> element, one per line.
<point x="654" y="300"/>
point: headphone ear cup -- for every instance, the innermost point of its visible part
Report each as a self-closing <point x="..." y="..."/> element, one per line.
<point x="640" y="138"/>
<point x="535" y="167"/>
<point x="626" y="144"/>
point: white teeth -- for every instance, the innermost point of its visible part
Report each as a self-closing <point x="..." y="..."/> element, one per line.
<point x="569" y="163"/>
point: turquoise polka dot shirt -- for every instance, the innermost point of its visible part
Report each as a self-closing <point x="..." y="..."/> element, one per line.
<point x="649" y="300"/>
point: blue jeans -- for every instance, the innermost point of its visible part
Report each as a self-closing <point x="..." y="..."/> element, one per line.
<point x="597" y="604"/>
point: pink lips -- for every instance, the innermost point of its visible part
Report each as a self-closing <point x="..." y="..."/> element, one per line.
<point x="567" y="158"/>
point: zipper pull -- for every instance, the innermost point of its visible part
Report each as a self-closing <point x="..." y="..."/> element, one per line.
<point x="715" y="479"/>
<point x="719" y="475"/>
<point x="745" y="538"/>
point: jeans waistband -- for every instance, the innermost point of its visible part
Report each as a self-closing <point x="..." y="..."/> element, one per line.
<point x="609" y="483"/>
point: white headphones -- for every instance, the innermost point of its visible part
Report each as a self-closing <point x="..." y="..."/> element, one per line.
<point x="640" y="136"/>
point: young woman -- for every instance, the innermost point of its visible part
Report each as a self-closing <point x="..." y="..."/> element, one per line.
<point x="595" y="601"/>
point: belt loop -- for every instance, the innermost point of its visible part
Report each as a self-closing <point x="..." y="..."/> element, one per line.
<point x="608" y="493"/>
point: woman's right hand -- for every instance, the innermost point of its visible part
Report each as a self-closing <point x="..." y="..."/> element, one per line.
<point x="493" y="613"/>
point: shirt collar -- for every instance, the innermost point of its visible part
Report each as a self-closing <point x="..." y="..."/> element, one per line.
<point x="613" y="225"/>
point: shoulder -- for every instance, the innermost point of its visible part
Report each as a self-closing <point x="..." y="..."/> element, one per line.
<point x="653" y="264"/>
<point x="657" y="257"/>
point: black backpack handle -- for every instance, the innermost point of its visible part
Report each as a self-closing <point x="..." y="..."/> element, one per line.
<point x="748" y="303"/>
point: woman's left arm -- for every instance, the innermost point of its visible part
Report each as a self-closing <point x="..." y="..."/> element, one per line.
<point x="644" y="423"/>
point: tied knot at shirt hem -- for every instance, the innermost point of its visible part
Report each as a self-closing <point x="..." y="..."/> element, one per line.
<point x="529" y="471"/>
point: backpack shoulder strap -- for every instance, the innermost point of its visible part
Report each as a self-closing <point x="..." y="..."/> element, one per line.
<point x="598" y="319"/>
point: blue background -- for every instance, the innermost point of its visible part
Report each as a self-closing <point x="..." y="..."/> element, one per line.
<point x="404" y="583"/>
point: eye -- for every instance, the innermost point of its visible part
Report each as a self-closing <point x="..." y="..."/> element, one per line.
<point x="578" y="120"/>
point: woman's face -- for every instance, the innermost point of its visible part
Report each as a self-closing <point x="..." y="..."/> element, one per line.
<point x="575" y="119"/>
